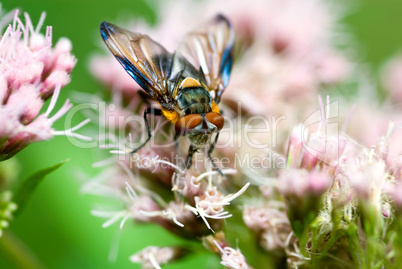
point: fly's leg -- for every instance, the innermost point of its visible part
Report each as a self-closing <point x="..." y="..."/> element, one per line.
<point x="176" y="142"/>
<point x="211" y="148"/>
<point x="176" y="147"/>
<point x="152" y="111"/>
<point x="189" y="160"/>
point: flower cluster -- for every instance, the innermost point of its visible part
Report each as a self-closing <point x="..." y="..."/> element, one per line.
<point x="31" y="71"/>
<point x="325" y="200"/>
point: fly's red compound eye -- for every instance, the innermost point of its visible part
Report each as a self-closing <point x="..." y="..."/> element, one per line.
<point x="216" y="119"/>
<point x="187" y="123"/>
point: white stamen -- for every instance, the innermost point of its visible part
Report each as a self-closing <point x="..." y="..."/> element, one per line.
<point x="104" y="214"/>
<point x="118" y="152"/>
<point x="153" y="261"/>
<point x="104" y="162"/>
<point x="225" y="172"/>
<point x="107" y="146"/>
<point x="124" y="221"/>
<point x="6" y="19"/>
<point x="78" y="126"/>
<point x="75" y="135"/>
<point x="128" y="173"/>
<point x="113" y="219"/>
<point x="287" y="242"/>
<point x="130" y="191"/>
<point x="17" y="11"/>
<point x="218" y="216"/>
<point x="151" y="213"/>
<point x="219" y="247"/>
<point x="169" y="214"/>
<point x="21" y="27"/>
<point x="5" y="36"/>
<point x="130" y="138"/>
<point x="63" y="110"/>
<point x="53" y="100"/>
<point x="28" y="23"/>
<point x="114" y="248"/>
<point x="176" y="221"/>
<point x="48" y="36"/>
<point x="348" y="118"/>
<point x="231" y="197"/>
<point x="155" y="161"/>
<point x="201" y="214"/>
<point x="40" y="23"/>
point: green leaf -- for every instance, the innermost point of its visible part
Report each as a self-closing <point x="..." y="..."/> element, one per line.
<point x="26" y="188"/>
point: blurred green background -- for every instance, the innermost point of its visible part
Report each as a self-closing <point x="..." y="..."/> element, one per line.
<point x="56" y="225"/>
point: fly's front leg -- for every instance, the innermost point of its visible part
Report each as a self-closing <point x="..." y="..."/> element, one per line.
<point x="152" y="111"/>
<point x="211" y="148"/>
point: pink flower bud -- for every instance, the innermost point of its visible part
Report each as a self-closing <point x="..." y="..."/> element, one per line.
<point x="319" y="182"/>
<point x="37" y="42"/>
<point x="56" y="78"/>
<point x="40" y="129"/>
<point x="30" y="72"/>
<point x="300" y="182"/>
<point x="63" y="46"/>
<point x="28" y="98"/>
<point x="65" y="62"/>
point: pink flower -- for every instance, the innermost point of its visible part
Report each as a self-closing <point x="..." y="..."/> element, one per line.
<point x="232" y="258"/>
<point x="301" y="183"/>
<point x="367" y="175"/>
<point x="212" y="202"/>
<point x="152" y="257"/>
<point x="271" y="224"/>
<point x="135" y="202"/>
<point x="31" y="72"/>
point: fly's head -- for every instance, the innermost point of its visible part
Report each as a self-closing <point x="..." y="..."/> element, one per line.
<point x="199" y="127"/>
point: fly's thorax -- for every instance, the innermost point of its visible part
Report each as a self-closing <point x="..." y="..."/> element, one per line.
<point x="195" y="100"/>
<point x="200" y="116"/>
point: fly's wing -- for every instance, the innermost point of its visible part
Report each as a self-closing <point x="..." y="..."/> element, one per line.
<point x="144" y="59"/>
<point x="209" y="49"/>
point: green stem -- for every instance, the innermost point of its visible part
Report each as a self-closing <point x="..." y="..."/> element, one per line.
<point x="353" y="252"/>
<point x="314" y="246"/>
<point x="373" y="224"/>
<point x="303" y="242"/>
<point x="334" y="238"/>
<point x="370" y="252"/>
<point x="18" y="253"/>
<point x="355" y="248"/>
<point x="314" y="241"/>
